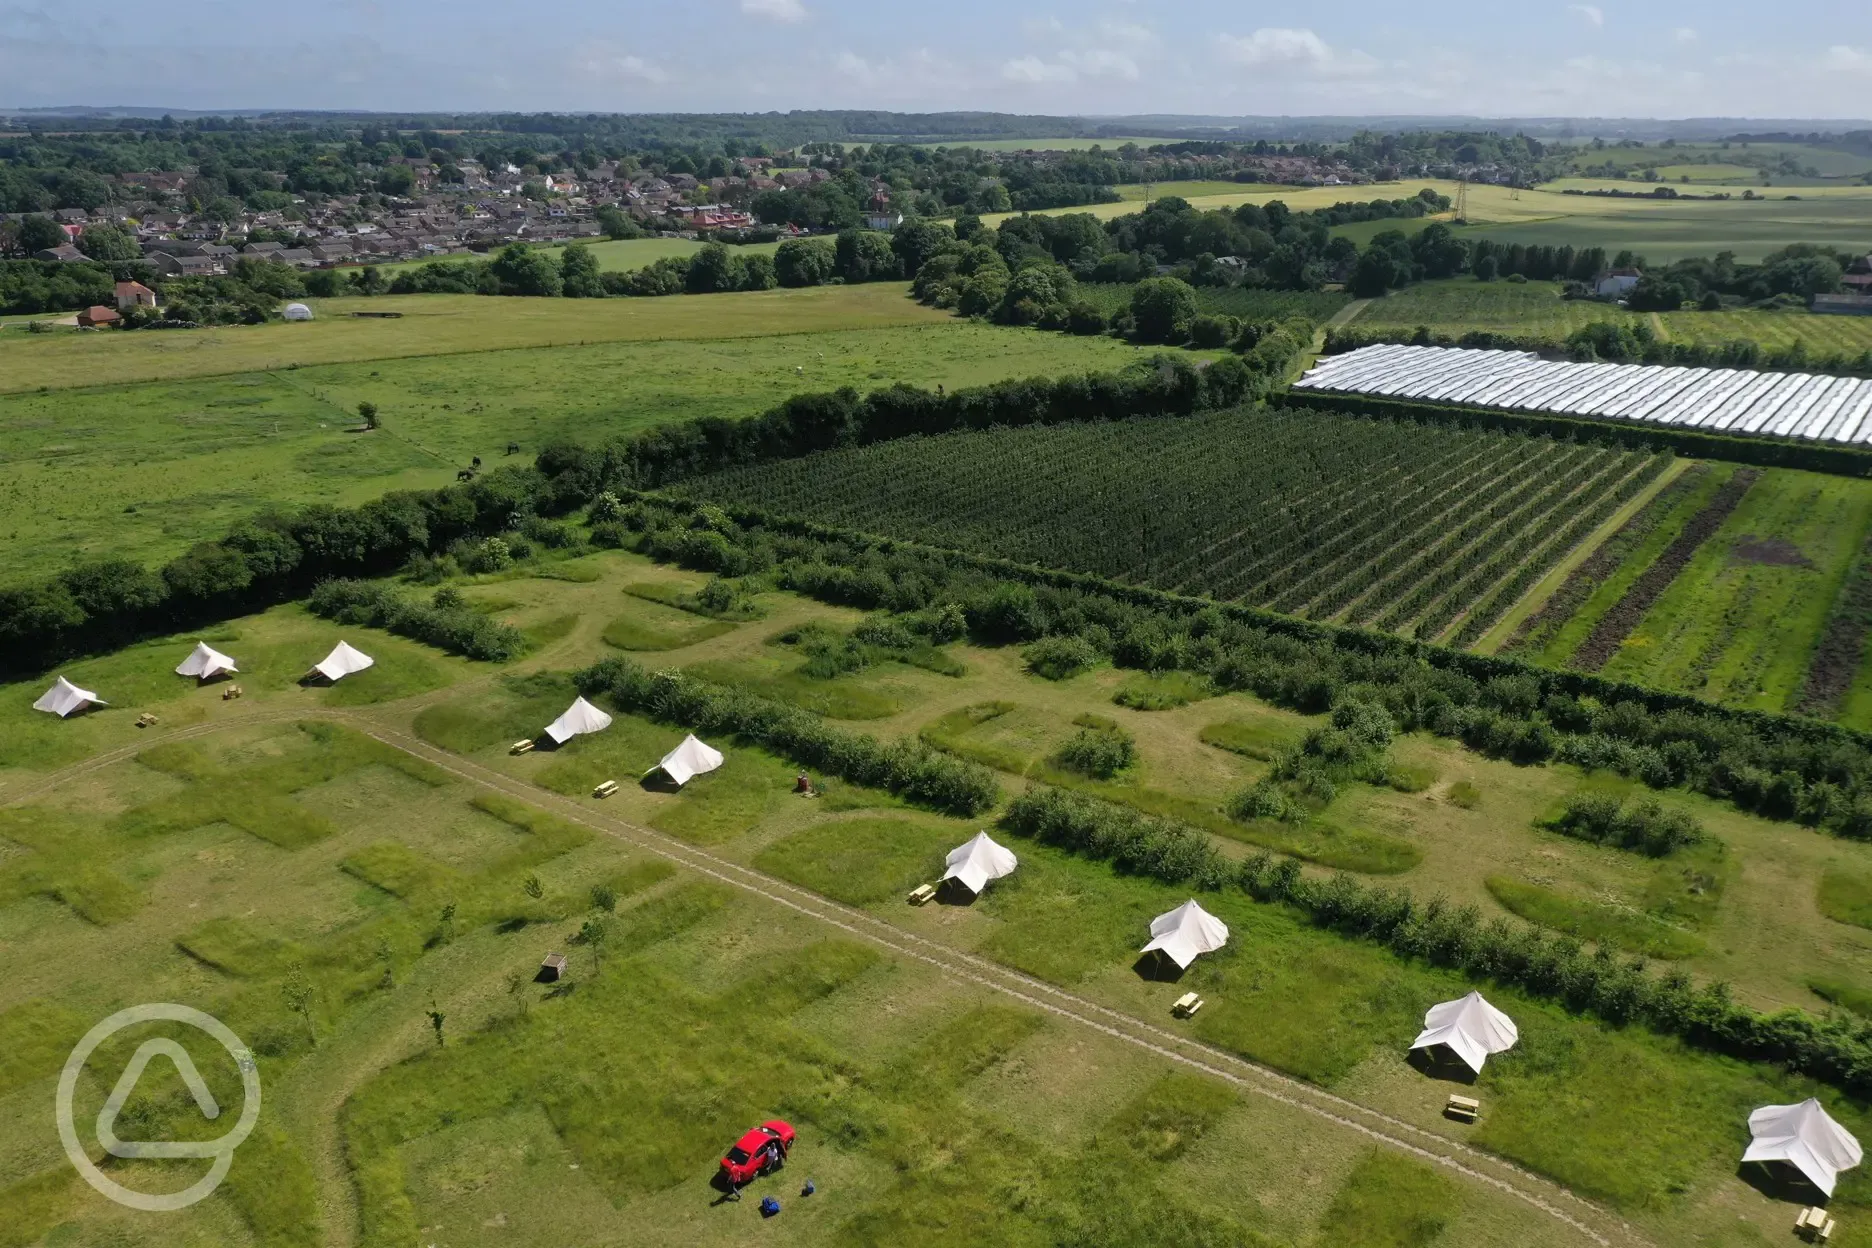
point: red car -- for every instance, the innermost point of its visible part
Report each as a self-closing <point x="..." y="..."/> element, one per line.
<point x="761" y="1151"/>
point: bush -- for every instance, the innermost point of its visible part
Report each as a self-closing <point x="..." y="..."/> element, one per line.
<point x="909" y="769"/>
<point x="1133" y="843"/>
<point x="1100" y="751"/>
<point x="1210" y="332"/>
<point x="1060" y="658"/>
<point x="446" y="621"/>
<point x="1643" y="826"/>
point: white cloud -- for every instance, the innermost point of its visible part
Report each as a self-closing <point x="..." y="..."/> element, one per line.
<point x="1684" y="34"/>
<point x="1848" y="60"/>
<point x="1591" y="13"/>
<point x="1032" y="70"/>
<point x="640" y="69"/>
<point x="1276" y="45"/>
<point x="787" y="11"/>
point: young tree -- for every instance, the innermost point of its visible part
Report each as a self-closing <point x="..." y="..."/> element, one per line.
<point x="368" y="412"/>
<point x="297" y="992"/>
<point x="448" y="921"/>
<point x="533" y="888"/>
<point x="387" y="956"/>
<point x="436" y="1018"/>
<point x="604" y="897"/>
<point x="517" y="989"/>
<point x="593" y="933"/>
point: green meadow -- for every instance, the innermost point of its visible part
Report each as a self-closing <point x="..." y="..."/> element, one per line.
<point x="144" y="469"/>
<point x="383" y="850"/>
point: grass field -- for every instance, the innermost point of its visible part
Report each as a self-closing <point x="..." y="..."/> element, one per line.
<point x="1661" y="230"/>
<point x="623" y="255"/>
<point x="931" y="1108"/>
<point x="1535" y="309"/>
<point x="144" y="469"/>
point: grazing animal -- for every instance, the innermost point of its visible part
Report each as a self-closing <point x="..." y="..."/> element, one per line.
<point x="513" y="448"/>
<point x="466" y="474"/>
<point x="477" y="461"/>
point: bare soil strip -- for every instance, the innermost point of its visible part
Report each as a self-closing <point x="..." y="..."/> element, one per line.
<point x="1628" y="612"/>
<point x="1835" y="661"/>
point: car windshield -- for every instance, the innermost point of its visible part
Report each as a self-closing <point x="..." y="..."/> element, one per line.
<point x="738" y="1155"/>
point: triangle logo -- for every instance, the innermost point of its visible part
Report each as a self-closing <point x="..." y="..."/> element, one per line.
<point x="126" y="1084"/>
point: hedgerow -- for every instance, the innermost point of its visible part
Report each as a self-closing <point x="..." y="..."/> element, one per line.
<point x="445" y="621"/>
<point x="907" y="768"/>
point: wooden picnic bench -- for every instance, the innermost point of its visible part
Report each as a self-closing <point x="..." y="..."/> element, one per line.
<point x="922" y="894"/>
<point x="1463" y="1108"/>
<point x="520" y="747"/>
<point x="1813" y="1225"/>
<point x="1187" y="1005"/>
<point x="606" y="789"/>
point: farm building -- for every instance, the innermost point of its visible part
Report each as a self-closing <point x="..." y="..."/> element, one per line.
<point x="1843" y="305"/>
<point x="1714" y="400"/>
<point x="97" y="315"/>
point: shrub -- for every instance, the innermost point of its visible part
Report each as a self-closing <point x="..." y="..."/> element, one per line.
<point x="907" y="768"/>
<point x="1135" y="844"/>
<point x="1644" y="826"/>
<point x="446" y="621"/>
<point x="1100" y="751"/>
<point x="1060" y="658"/>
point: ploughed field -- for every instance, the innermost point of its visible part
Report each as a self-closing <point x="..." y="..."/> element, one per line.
<point x="1430" y="530"/>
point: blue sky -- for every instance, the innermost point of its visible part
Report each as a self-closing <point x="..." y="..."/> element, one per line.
<point x="1663" y="58"/>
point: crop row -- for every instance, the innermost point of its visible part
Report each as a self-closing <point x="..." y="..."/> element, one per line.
<point x="1299" y="511"/>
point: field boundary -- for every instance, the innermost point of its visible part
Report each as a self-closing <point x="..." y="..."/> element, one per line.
<point x="1239" y="1072"/>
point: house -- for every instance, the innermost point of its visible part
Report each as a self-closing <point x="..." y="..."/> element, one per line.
<point x="64" y="253"/>
<point x="1842" y="305"/>
<point x="295" y="255"/>
<point x="98" y="315"/>
<point x="262" y="249"/>
<point x="134" y="295"/>
<point x="186" y="266"/>
<point x="72" y="216"/>
<point x="1858" y="278"/>
<point x="1616" y="283"/>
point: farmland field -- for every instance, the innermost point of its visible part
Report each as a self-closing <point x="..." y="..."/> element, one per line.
<point x="391" y="877"/>
<point x="142" y="470"/>
<point x="1536" y="310"/>
<point x="621" y="255"/>
<point x="1239" y="301"/>
<point x="1429" y="531"/>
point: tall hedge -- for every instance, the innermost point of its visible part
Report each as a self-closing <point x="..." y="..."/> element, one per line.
<point x="907" y="768"/>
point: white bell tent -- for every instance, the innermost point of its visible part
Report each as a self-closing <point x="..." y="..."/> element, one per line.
<point x="1186" y="932"/>
<point x="65" y="698"/>
<point x="1470" y="1028"/>
<point x="689" y="760"/>
<point x="342" y="662"/>
<point x="580" y="718"/>
<point x="979" y="860"/>
<point x="1804" y="1137"/>
<point x="206" y="663"/>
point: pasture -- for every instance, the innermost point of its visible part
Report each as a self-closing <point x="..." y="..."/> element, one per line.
<point x="144" y="469"/>
<point x="1458" y="305"/>
<point x="621" y="255"/>
<point x="394" y="871"/>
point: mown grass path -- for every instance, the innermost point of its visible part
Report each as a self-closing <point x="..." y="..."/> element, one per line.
<point x="1589" y="1220"/>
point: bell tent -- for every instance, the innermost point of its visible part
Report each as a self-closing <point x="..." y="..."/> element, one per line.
<point x="1184" y="933"/>
<point x="298" y="312"/>
<point x="1805" y="1138"/>
<point x="580" y="718"/>
<point x="689" y="760"/>
<point x="206" y="663"/>
<point x="341" y="662"/>
<point x="65" y="698"/>
<point x="973" y="864"/>
<point x="1470" y="1028"/>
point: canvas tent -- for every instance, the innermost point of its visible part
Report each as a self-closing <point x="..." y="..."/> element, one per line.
<point x="341" y="662"/>
<point x="973" y="864"/>
<point x="1185" y="932"/>
<point x="1804" y="1137"/>
<point x="65" y="698"/>
<point x="689" y="760"/>
<point x="1470" y="1028"/>
<point x="206" y="663"/>
<point x="580" y="718"/>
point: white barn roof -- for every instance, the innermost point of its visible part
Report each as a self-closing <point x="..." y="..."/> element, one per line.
<point x="581" y="717"/>
<point x="205" y="662"/>
<point x="1729" y="401"/>
<point x="1470" y="1028"/>
<point x="342" y="661"/>
<point x="1185" y="932"/>
<point x="689" y="760"/>
<point x="1803" y="1136"/>
<point x="978" y="861"/>
<point x="64" y="697"/>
